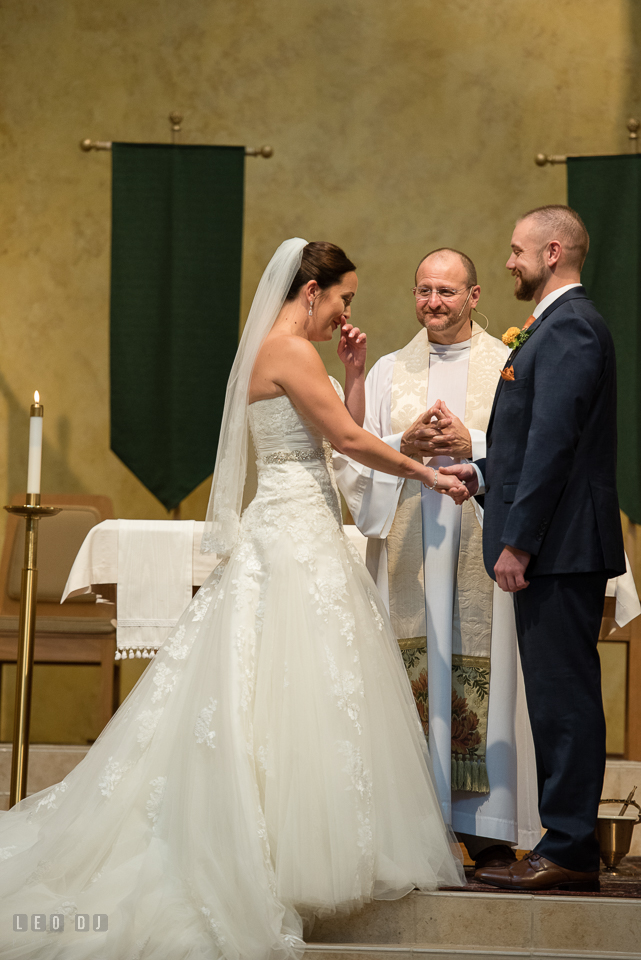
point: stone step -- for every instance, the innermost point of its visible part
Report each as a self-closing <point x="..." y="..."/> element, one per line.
<point x="408" y="952"/>
<point x="482" y="924"/>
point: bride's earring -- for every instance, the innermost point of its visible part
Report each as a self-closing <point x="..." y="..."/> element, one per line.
<point x="311" y="306"/>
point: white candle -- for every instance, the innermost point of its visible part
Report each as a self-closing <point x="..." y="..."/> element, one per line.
<point x="35" y="445"/>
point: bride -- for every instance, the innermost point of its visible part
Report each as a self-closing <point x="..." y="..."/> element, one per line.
<point x="269" y="765"/>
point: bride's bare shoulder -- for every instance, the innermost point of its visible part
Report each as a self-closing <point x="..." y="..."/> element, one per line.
<point x="279" y="352"/>
<point x="281" y="361"/>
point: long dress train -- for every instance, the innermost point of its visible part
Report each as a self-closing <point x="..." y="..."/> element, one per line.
<point x="268" y="766"/>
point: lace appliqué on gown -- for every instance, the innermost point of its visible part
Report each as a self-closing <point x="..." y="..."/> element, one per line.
<point x="202" y="730"/>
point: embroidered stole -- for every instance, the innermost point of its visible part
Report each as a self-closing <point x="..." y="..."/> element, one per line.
<point x="472" y="614"/>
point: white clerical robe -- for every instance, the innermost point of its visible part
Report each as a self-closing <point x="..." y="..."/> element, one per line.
<point x="509" y="812"/>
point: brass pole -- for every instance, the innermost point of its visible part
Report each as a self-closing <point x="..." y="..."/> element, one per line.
<point x="24" y="671"/>
<point x="32" y="512"/>
<point x="542" y="159"/>
<point x="88" y="145"/>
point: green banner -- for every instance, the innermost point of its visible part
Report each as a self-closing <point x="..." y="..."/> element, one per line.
<point x="606" y="191"/>
<point x="175" y="300"/>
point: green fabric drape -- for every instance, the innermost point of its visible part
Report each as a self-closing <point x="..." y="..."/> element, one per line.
<point x="175" y="299"/>
<point x="606" y="191"/>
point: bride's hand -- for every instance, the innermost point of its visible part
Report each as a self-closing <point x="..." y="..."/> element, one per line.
<point x="450" y="485"/>
<point x="352" y="347"/>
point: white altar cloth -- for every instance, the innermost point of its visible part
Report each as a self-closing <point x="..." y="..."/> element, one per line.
<point x="97" y="559"/>
<point x="623" y="589"/>
<point x="154" y="587"/>
<point x="147" y="607"/>
<point x="97" y="563"/>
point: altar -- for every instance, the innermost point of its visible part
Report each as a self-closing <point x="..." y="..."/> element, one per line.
<point x="150" y="569"/>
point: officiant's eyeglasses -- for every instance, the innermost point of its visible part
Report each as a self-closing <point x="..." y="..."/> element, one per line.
<point x="443" y="293"/>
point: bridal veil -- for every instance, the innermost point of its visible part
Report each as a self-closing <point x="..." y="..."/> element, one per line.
<point x="225" y="501"/>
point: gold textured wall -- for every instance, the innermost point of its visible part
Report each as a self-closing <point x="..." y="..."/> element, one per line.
<point x="396" y="128"/>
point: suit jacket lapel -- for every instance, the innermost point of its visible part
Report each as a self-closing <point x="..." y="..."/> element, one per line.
<point x="575" y="293"/>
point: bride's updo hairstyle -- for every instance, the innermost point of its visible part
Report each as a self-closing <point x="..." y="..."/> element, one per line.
<point x="323" y="262"/>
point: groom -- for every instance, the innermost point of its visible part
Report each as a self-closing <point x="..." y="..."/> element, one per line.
<point x="552" y="534"/>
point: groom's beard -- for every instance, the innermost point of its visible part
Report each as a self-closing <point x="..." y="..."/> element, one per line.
<point x="526" y="287"/>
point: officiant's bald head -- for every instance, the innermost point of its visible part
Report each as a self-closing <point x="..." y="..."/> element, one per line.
<point x="446" y="292"/>
<point x="449" y="253"/>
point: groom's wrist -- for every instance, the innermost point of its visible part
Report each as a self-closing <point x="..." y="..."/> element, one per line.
<point x="519" y="554"/>
<point x="480" y="480"/>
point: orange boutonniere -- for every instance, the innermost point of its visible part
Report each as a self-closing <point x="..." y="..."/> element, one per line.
<point x="510" y="335"/>
<point x="508" y="373"/>
<point x="515" y="338"/>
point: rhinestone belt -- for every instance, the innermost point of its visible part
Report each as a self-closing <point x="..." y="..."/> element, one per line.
<point x="287" y="456"/>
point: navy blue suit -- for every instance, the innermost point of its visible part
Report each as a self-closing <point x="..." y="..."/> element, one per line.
<point x="551" y="490"/>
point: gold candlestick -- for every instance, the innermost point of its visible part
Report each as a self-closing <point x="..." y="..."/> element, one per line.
<point x="32" y="511"/>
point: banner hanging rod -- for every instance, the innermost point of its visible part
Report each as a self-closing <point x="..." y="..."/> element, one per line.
<point x="541" y="159"/>
<point x="88" y="145"/>
<point x="175" y="121"/>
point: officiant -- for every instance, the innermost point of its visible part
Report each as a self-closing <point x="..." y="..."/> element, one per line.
<point x="432" y="400"/>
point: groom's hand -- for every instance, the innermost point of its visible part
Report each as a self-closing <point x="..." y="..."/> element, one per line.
<point x="510" y="568"/>
<point x="466" y="474"/>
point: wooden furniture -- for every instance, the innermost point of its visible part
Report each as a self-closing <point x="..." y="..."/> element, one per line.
<point x="630" y="635"/>
<point x="78" y="632"/>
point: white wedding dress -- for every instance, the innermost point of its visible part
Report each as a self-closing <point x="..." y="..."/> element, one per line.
<point x="268" y="766"/>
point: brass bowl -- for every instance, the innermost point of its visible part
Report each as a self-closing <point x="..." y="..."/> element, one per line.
<point x="614" y="834"/>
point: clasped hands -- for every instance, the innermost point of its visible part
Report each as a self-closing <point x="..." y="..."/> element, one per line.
<point x="439" y="433"/>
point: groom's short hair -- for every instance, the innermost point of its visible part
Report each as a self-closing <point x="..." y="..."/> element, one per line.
<point x="558" y="221"/>
<point x="467" y="263"/>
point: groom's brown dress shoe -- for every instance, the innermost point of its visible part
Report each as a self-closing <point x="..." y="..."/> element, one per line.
<point x="534" y="872"/>
<point x="498" y="855"/>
